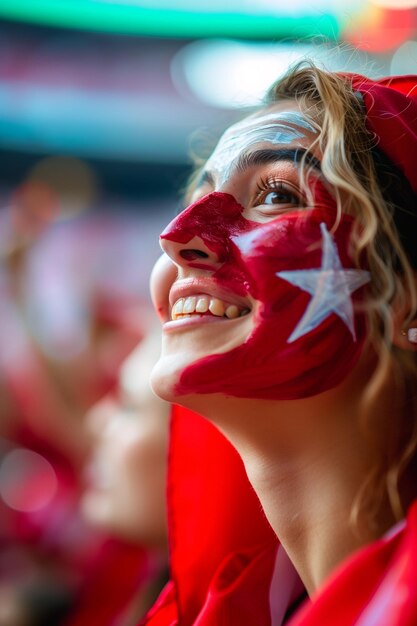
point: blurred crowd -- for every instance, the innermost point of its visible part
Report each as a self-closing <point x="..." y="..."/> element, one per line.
<point x="83" y="440"/>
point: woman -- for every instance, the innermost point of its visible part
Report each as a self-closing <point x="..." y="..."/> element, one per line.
<point x="125" y="475"/>
<point x="289" y="311"/>
<point x="124" y="496"/>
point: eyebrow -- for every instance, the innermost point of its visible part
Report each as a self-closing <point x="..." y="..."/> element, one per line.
<point x="266" y="156"/>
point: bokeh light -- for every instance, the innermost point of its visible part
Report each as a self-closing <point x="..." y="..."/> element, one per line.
<point x="229" y="74"/>
<point x="380" y="28"/>
<point x="28" y="481"/>
<point x="395" y="4"/>
<point x="34" y="205"/>
<point x="72" y="180"/>
<point x="404" y="59"/>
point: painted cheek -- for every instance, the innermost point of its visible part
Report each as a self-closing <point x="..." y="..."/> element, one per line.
<point x="292" y="241"/>
<point x="289" y="242"/>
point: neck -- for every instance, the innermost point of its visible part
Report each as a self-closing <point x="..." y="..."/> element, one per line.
<point x="307" y="460"/>
<point x="308" y="500"/>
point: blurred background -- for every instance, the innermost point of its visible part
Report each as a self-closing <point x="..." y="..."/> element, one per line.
<point x="102" y="103"/>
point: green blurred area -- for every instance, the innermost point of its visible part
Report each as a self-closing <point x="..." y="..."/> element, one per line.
<point x="131" y="18"/>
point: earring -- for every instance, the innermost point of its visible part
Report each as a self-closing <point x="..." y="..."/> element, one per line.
<point x="412" y="335"/>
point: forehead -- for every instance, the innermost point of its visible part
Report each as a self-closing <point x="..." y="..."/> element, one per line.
<point x="286" y="113"/>
<point x="276" y="125"/>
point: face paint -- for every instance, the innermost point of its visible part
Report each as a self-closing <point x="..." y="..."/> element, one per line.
<point x="216" y="218"/>
<point x="305" y="336"/>
<point x="272" y="128"/>
<point x="331" y="287"/>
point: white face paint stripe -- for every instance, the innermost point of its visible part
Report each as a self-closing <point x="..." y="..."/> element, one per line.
<point x="272" y="128"/>
<point x="229" y="148"/>
<point x="293" y="117"/>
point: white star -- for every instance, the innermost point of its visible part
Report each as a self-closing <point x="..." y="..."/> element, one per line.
<point x="330" y="285"/>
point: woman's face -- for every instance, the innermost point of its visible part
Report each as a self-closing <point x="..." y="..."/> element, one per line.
<point x="257" y="289"/>
<point x="125" y="492"/>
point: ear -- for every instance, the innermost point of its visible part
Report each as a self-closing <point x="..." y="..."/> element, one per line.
<point x="404" y="329"/>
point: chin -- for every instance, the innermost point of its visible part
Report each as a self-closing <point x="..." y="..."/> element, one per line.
<point x="165" y="377"/>
<point x="164" y="381"/>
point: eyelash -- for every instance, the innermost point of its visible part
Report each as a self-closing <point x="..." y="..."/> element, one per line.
<point x="268" y="185"/>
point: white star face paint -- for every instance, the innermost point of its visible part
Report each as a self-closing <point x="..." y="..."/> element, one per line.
<point x="331" y="287"/>
<point x="274" y="128"/>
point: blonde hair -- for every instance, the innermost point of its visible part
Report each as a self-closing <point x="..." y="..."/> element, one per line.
<point x="348" y="164"/>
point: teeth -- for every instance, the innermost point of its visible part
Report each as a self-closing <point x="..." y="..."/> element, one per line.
<point x="216" y="307"/>
<point x="177" y="309"/>
<point x="232" y="311"/>
<point x="189" y="305"/>
<point x="186" y="307"/>
<point x="202" y="305"/>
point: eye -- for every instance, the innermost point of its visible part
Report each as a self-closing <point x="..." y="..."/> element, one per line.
<point x="274" y="192"/>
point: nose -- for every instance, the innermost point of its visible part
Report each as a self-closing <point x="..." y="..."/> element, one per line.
<point x="193" y="251"/>
<point x="200" y="236"/>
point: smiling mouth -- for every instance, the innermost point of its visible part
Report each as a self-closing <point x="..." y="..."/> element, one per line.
<point x="202" y="305"/>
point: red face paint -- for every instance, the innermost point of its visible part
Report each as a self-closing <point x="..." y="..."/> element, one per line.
<point x="267" y="365"/>
<point x="215" y="219"/>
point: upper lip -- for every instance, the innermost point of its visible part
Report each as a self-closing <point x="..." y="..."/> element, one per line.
<point x="194" y="287"/>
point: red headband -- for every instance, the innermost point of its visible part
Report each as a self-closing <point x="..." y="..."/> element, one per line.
<point x="391" y="113"/>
